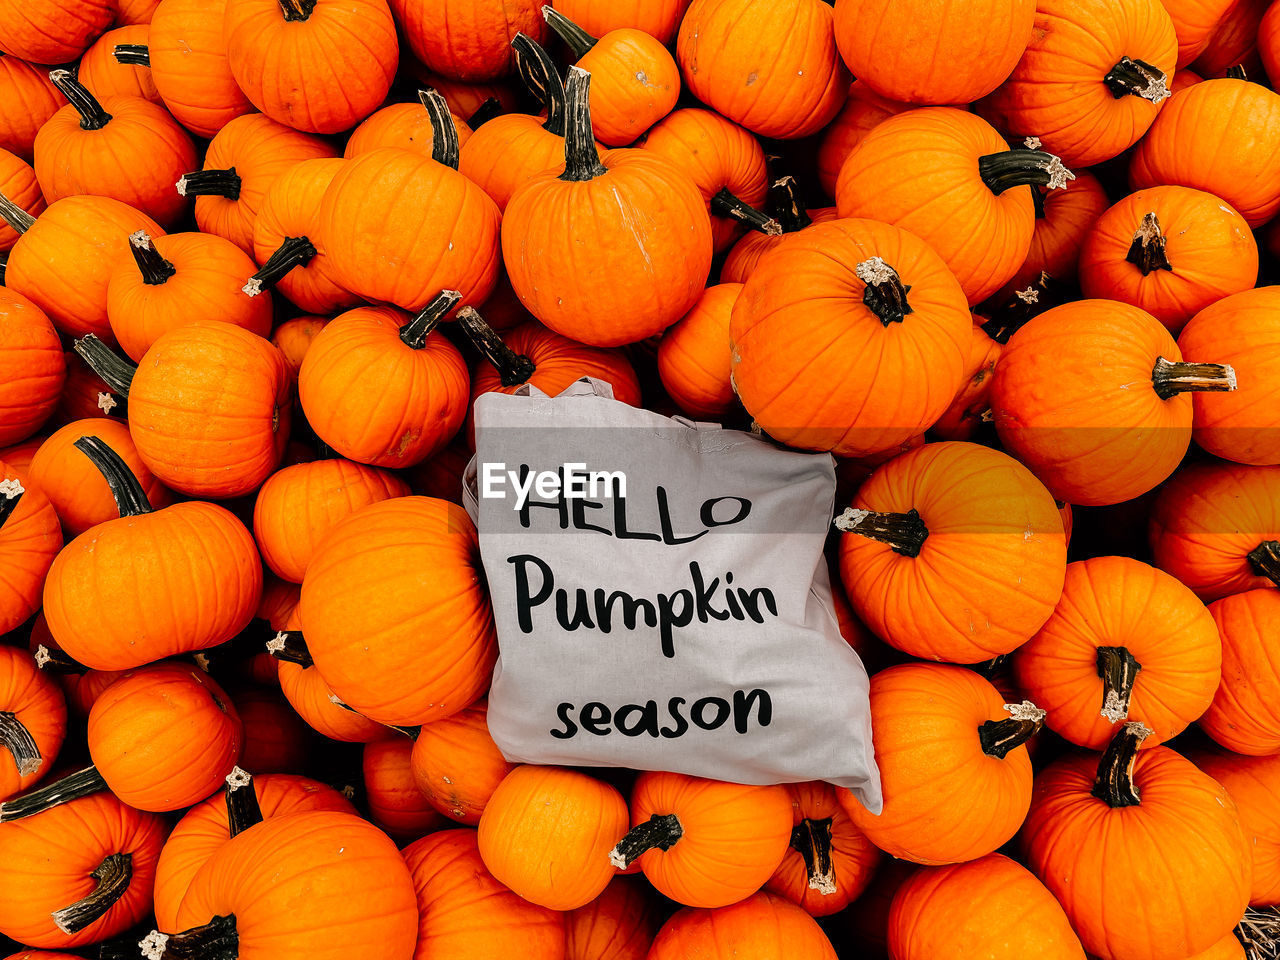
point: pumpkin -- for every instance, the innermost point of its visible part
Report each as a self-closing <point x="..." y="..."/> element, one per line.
<point x="547" y="833"/>
<point x="643" y="219"/>
<point x="310" y="696"/>
<point x="78" y="873"/>
<point x="395" y="803"/>
<point x="424" y="602"/>
<point x="953" y="527"/>
<point x="1095" y="438"/>
<point x="1234" y="41"/>
<point x="28" y="100"/>
<point x="173" y="280"/>
<point x="457" y="766"/>
<point x="188" y="57"/>
<point x="18" y="183"/>
<point x="992" y="906"/>
<point x="259" y="891"/>
<point x="33" y="721"/>
<point x="275" y="737"/>
<point x="86" y="395"/>
<point x="55" y="31"/>
<point x="467" y="39"/>
<point x="620" y="924"/>
<point x="1241" y="716"/>
<point x="464" y="912"/>
<point x="953" y="764"/>
<point x="786" y="207"/>
<point x="1194" y="22"/>
<point x="1253" y="783"/>
<point x="861" y="113"/>
<point x="1127" y="641"/>
<point x="885" y="44"/>
<point x="30" y="539"/>
<point x="636" y="80"/>
<point x="658" y="18"/>
<point x="406" y="125"/>
<point x="105" y="75"/>
<point x="834" y="293"/>
<point x="466" y="99"/>
<point x="694" y="361"/>
<point x="116" y="563"/>
<point x="778" y="81"/>
<point x="761" y="925"/>
<point x="980" y="219"/>
<point x="964" y="416"/>
<point x="1269" y="41"/>
<point x="1243" y="329"/>
<point x="32" y="368"/>
<point x="726" y="162"/>
<point x="80" y="685"/>
<point x="1148" y="821"/>
<point x="63" y="259"/>
<point x="1219" y="136"/>
<point x="207" y="827"/>
<point x="293" y="339"/>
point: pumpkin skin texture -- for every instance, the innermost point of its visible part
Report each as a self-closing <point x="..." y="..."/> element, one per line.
<point x="293" y="339"/>
<point x="189" y="65"/>
<point x="106" y="77"/>
<point x="49" y="860"/>
<point x="509" y="151"/>
<point x="807" y="295"/>
<point x="429" y="586"/>
<point x="53" y="32"/>
<point x="746" y="254"/>
<point x="27" y="100"/>
<point x="395" y="803"/>
<point x="1234" y="41"/>
<point x="204" y="830"/>
<point x="658" y="18"/>
<point x="468" y="39"/>
<point x="620" y="924"/>
<point x="30" y="539"/>
<point x="935" y="772"/>
<point x="456" y="764"/>
<point x="883" y="43"/>
<point x="32" y="368"/>
<point x="862" y="112"/>
<point x="762" y="925"/>
<point x="781" y="85"/>
<point x="694" y="360"/>
<point x="1070" y="401"/>
<point x="309" y="695"/>
<point x="406" y="125"/>
<point x="1243" y="717"/>
<point x="30" y="701"/>
<point x="1219" y="136"/>
<point x="1254" y="785"/>
<point x="546" y="833"/>
<point x="1244" y="329"/>
<point x="992" y="907"/>
<point x="991" y="566"/>
<point x="1181" y="843"/>
<point x="19" y="185"/>
<point x="265" y="877"/>
<point x="1194" y="22"/>
<point x="1209" y="247"/>
<point x="464" y="912"/>
<point x="86" y="395"/>
<point x="1117" y="602"/>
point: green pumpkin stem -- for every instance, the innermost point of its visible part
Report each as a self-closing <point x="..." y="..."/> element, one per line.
<point x="12" y="214"/>
<point x="297" y="10"/>
<point x="17" y="739"/>
<point x="786" y="206"/>
<point x="1114" y="784"/>
<point x="484" y="113"/>
<point x="540" y="76"/>
<point x="131" y="498"/>
<point x="52" y="660"/>
<point x="1139" y="79"/>
<point x="215" y="940"/>
<point x="290" y="646"/>
<point x="92" y="116"/>
<point x="1147" y="252"/>
<point x="904" y="532"/>
<point x="292" y="252"/>
<point x="513" y="368"/>
<point x="1119" y="671"/>
<point x="885" y="295"/>
<point x="241" y="797"/>
<point x="1265" y="560"/>
<point x="155" y="269"/>
<point x="133" y="54"/>
<point x="82" y="783"/>
<point x="725" y="204"/>
<point x="999" y="737"/>
<point x="1016" y="168"/>
<point x="414" y="333"/>
<point x="210" y="183"/>
<point x="577" y="39"/>
<point x="444" y="132"/>
<point x="113" y="875"/>
<point x="660" y="831"/>
<point x="11" y="491"/>
<point x="1169" y="378"/>
<point x="812" y="840"/>
<point x="581" y="158"/>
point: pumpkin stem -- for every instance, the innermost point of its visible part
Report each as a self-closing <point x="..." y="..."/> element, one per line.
<point x="290" y="646"/>
<point x="113" y="875"/>
<point x="577" y="39"/>
<point x="542" y="79"/>
<point x="1171" y="378"/>
<point x="998" y="737"/>
<point x="1010" y="317"/>
<point x="444" y="132"/>
<point x="154" y="268"/>
<point x="513" y="368"/>
<point x="215" y="940"/>
<point x="131" y="498"/>
<point x="1119" y="671"/>
<point x="1265" y="560"/>
<point x="82" y="783"/>
<point x="484" y="113"/>
<point x="1236" y="73"/>
<point x="11" y="491"/>
<point x="581" y="158"/>
<point x="17" y="739"/>
<point x="812" y="839"/>
<point x="243" y="811"/>
<point x="1114" y="784"/>
<point x="414" y="333"/>
<point x="725" y="204"/>
<point x="885" y="295"/>
<point x="1015" y="168"/>
<point x="15" y="216"/>
<point x="1137" y="78"/>
<point x="904" y="532"/>
<point x="92" y="116"/>
<point x="786" y="206"/>
<point x="210" y="183"/>
<point x="293" y="252"/>
<point x="136" y="54"/>
<point x="297" y="10"/>
<point x="56" y="661"/>
<point x="660" y="831"/>
<point x="115" y="371"/>
<point x="1147" y="252"/>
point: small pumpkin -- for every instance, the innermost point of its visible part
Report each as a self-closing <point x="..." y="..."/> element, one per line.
<point x="28" y="100"/>
<point x="32" y="367"/>
<point x="395" y="802"/>
<point x="33" y="721"/>
<point x="620" y="924"/>
<point x="694" y="359"/>
<point x="80" y="685"/>
<point x="106" y="75"/>
<point x="468" y="39"/>
<point x="86" y="395"/>
<point x="293" y="339"/>
<point x="762" y="924"/>
<point x="18" y="183"/>
<point x="188" y="58"/>
<point x="1242" y="716"/>
<point x="456" y="764"/>
<point x="30" y="538"/>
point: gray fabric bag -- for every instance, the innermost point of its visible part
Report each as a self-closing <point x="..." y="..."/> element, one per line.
<point x="675" y="614"/>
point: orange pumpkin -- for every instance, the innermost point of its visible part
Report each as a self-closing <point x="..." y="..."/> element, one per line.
<point x="30" y="539"/>
<point x="188" y="58"/>
<point x="33" y="721"/>
<point x="620" y="924"/>
<point x="964" y="416"/>
<point x="406" y="125"/>
<point x="80" y="685"/>
<point x="1194" y="22"/>
<point x="32" y="368"/>
<point x="57" y="31"/>
<point x="467" y="39"/>
<point x="27" y="100"/>
<point x="456" y="764"/>
<point x="106" y="75"/>
<point x="1242" y="716"/>
<point x="658" y="18"/>
<point x="18" y="183"/>
<point x="395" y="802"/>
<point x="1268" y="40"/>
<point x="1234" y="42"/>
<point x="1254" y="785"/>
<point x="293" y="339"/>
<point x="275" y="737"/>
<point x="310" y="696"/>
<point x="694" y="360"/>
<point x="862" y="112"/>
<point x="761" y="925"/>
<point x="785" y="206"/>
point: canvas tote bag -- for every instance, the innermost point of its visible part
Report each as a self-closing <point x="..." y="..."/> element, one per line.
<point x="661" y="596"/>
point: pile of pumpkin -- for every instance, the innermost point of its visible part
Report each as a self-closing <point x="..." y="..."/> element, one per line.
<point x="262" y="255"/>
